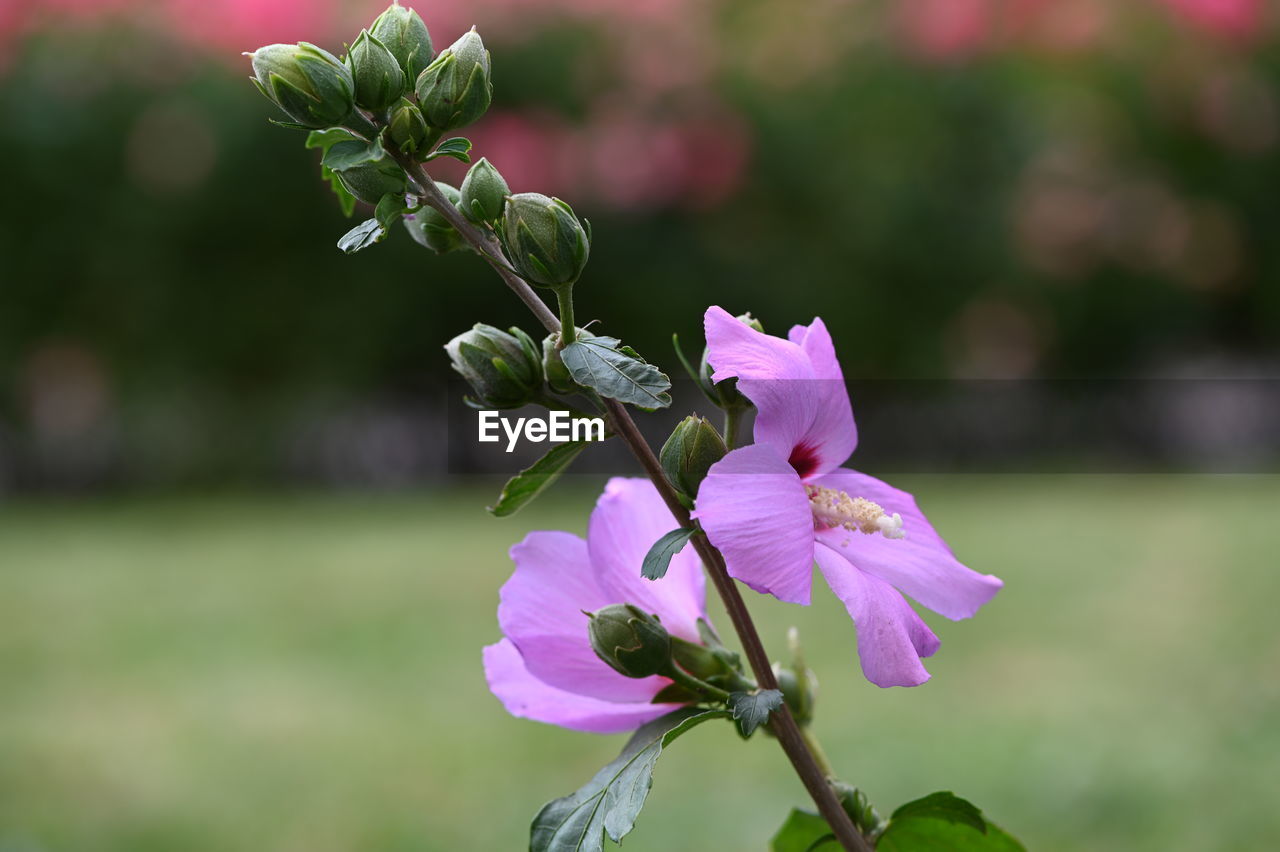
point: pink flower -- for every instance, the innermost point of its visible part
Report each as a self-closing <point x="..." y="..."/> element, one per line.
<point x="779" y="505"/>
<point x="544" y="668"/>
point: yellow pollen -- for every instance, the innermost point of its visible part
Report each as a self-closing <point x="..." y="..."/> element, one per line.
<point x="832" y="509"/>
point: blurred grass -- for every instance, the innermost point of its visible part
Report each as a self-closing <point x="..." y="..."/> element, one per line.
<point x="303" y="674"/>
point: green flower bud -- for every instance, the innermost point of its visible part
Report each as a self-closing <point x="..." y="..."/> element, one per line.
<point x="858" y="807"/>
<point x="726" y="393"/>
<point x="455" y="90"/>
<point x="379" y="81"/>
<point x="429" y="228"/>
<point x="407" y="131"/>
<point x="693" y="447"/>
<point x="630" y="640"/>
<point x="798" y="691"/>
<point x="405" y="35"/>
<point x="545" y="241"/>
<point x="557" y="373"/>
<point x="370" y="181"/>
<point x="484" y="193"/>
<point x="311" y="85"/>
<point x="503" y="368"/>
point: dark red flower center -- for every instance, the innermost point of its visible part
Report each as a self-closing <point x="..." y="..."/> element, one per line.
<point x="804" y="459"/>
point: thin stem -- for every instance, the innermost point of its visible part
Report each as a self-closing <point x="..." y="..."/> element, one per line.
<point x="815" y="748"/>
<point x="568" y="331"/>
<point x="784" y="724"/>
<point x="732" y="422"/>
<point x="694" y="684"/>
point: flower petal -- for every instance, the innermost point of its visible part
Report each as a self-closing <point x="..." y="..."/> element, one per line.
<point x="541" y="611"/>
<point x="527" y="697"/>
<point x="919" y="564"/>
<point x="629" y="517"/>
<point x="891" y="636"/>
<point x="835" y="417"/>
<point x="753" y="507"/>
<point x="803" y="407"/>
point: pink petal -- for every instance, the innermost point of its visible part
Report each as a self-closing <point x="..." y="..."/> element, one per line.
<point x="527" y="697"/>
<point x="541" y="611"/>
<point x="803" y="406"/>
<point x="891" y="636"/>
<point x="629" y="517"/>
<point x="920" y="564"/>
<point x="753" y="507"/>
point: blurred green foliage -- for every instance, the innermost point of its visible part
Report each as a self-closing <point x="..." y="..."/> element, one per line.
<point x="1007" y="215"/>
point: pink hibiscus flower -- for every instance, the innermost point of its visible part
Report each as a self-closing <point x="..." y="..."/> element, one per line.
<point x="544" y="668"/>
<point x="777" y="506"/>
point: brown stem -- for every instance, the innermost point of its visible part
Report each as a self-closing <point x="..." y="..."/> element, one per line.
<point x="783" y="723"/>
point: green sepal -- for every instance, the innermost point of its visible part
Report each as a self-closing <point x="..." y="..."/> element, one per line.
<point x="611" y="801"/>
<point x="536" y="478"/>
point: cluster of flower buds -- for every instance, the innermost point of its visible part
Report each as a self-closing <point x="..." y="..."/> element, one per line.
<point x="504" y="369"/>
<point x="391" y="75"/>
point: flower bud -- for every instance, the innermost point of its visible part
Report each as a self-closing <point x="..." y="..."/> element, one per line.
<point x="455" y="90"/>
<point x="557" y="373"/>
<point x="311" y="85"/>
<point x="858" y="807"/>
<point x="545" y="241"/>
<point x="484" y="193"/>
<point x="407" y="131"/>
<point x="370" y="181"/>
<point x="378" y="78"/>
<point x="726" y="393"/>
<point x="693" y="447"/>
<point x="798" y="691"/>
<point x="405" y="35"/>
<point x="503" y="368"/>
<point x="429" y="228"/>
<point x="630" y="640"/>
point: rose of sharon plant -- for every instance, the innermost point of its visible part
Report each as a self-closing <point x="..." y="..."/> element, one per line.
<point x="779" y="505"/>
<point x="544" y="667"/>
<point x="609" y="634"/>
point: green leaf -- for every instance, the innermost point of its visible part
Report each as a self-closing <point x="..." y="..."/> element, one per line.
<point x="362" y="236"/>
<point x="324" y="140"/>
<point x="803" y="831"/>
<point x="616" y="372"/>
<point x="943" y="822"/>
<point x="536" y="478"/>
<point x="459" y="147"/>
<point x="658" y="559"/>
<point x="390" y="209"/>
<point x="751" y="709"/>
<point x="610" y="802"/>
<point x="349" y="153"/>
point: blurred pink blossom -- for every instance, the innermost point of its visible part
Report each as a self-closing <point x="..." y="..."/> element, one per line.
<point x="1236" y="19"/>
<point x="945" y="29"/>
